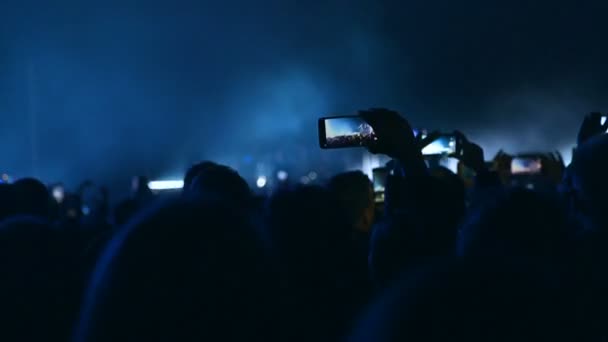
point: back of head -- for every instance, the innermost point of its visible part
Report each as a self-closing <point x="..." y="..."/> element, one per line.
<point x="33" y="197"/>
<point x="180" y="271"/>
<point x="585" y="183"/>
<point x="196" y="170"/>
<point x="217" y="182"/>
<point x="406" y="239"/>
<point x="517" y="223"/>
<point x="307" y="224"/>
<point x="355" y="195"/>
<point x="311" y="241"/>
<point x="453" y="301"/>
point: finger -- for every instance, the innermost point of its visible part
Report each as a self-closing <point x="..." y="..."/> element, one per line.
<point x="370" y="118"/>
<point x="461" y="136"/>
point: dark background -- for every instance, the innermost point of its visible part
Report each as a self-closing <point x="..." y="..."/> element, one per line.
<point x="108" y="90"/>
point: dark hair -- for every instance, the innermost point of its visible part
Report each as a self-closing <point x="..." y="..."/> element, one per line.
<point x="517" y="223"/>
<point x="181" y="270"/>
<point x="479" y="301"/>
<point x="196" y="170"/>
<point x="33" y="197"/>
<point x="214" y="181"/>
<point x="354" y="192"/>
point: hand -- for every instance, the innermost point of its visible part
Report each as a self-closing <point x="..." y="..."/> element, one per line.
<point x="553" y="167"/>
<point x="470" y="154"/>
<point x="395" y="135"/>
<point x="591" y="127"/>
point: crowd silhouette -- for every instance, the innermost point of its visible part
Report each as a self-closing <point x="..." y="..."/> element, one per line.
<point x="442" y="258"/>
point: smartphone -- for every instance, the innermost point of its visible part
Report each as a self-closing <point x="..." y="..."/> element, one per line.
<point x="345" y="131"/>
<point x="603" y="121"/>
<point x="444" y="144"/>
<point x="380" y="176"/>
<point x="526" y="166"/>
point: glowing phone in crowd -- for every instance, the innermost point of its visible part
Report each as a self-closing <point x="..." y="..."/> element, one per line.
<point x="380" y="176"/>
<point x="526" y="166"/>
<point x="443" y="145"/>
<point x="345" y="131"/>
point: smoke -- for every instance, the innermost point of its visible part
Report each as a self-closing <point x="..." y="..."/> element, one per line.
<point x="120" y="89"/>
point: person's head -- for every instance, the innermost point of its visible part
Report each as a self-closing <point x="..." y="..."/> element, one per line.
<point x="355" y="194"/>
<point x="211" y="181"/>
<point x="181" y="271"/>
<point x="517" y="223"/>
<point x="195" y="170"/>
<point x="405" y="239"/>
<point x="585" y="185"/>
<point x="311" y="241"/>
<point x="307" y="228"/>
<point x="471" y="302"/>
<point x="33" y="197"/>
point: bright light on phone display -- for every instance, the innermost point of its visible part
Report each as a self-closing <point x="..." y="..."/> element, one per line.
<point x="442" y="145"/>
<point x="348" y="131"/>
<point x="521" y="166"/>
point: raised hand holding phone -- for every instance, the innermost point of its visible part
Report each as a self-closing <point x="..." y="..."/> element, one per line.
<point x="395" y="136"/>
<point x="469" y="153"/>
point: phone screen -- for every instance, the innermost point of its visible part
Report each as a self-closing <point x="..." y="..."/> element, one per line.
<point x="380" y="176"/>
<point x="345" y="131"/>
<point x="445" y="144"/>
<point x="526" y="166"/>
<point x="603" y="121"/>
